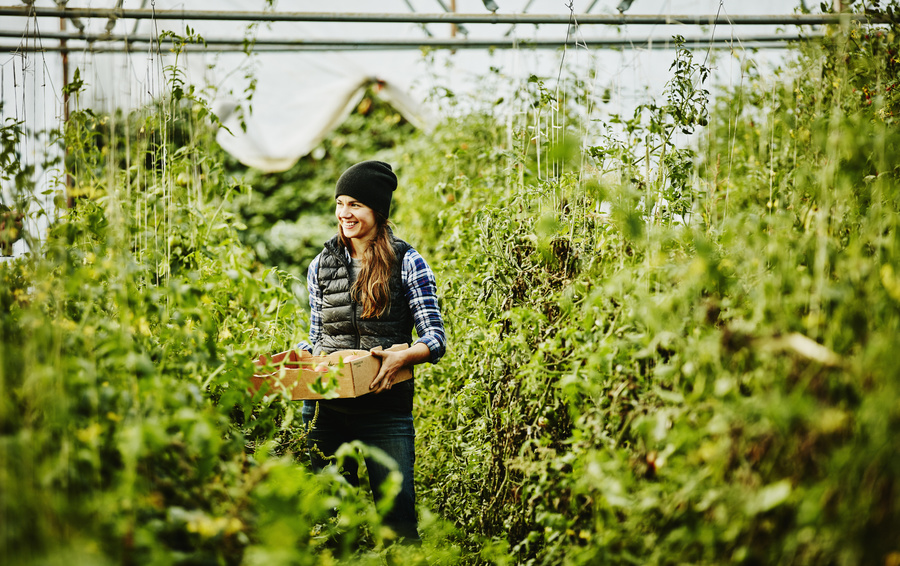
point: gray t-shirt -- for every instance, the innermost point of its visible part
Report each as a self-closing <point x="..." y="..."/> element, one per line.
<point x="354" y="267"/>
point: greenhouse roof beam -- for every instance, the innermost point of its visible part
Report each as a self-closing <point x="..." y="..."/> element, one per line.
<point x="655" y="46"/>
<point x="457" y="18"/>
<point x="323" y="44"/>
<point x="350" y="45"/>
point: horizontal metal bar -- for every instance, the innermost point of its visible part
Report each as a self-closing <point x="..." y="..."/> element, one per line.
<point x="450" y="17"/>
<point x="110" y="48"/>
<point x="414" y="43"/>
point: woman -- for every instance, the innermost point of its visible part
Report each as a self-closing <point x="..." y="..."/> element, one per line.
<point x="368" y="289"/>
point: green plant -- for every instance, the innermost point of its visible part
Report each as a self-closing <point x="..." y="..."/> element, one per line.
<point x="128" y="431"/>
<point x="626" y="389"/>
<point x="621" y="387"/>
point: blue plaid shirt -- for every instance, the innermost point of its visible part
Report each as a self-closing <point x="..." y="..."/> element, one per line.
<point x="420" y="288"/>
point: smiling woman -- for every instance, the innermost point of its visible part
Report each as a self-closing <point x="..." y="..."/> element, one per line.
<point x="357" y="222"/>
<point x="368" y="289"/>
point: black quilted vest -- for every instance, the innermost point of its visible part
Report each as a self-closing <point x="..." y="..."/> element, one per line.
<point x="343" y="327"/>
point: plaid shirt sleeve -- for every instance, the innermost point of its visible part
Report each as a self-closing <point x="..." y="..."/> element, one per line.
<point x="420" y="287"/>
<point x="315" y="306"/>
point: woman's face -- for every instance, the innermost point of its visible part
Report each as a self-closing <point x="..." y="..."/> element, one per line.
<point x="355" y="219"/>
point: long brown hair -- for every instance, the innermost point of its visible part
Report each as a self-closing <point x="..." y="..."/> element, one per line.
<point x="372" y="288"/>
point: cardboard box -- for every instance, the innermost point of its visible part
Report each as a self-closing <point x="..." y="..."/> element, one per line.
<point x="294" y="371"/>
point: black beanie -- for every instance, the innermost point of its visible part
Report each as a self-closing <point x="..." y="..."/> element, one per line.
<point x="371" y="183"/>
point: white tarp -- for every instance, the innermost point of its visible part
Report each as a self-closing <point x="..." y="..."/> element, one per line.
<point x="296" y="106"/>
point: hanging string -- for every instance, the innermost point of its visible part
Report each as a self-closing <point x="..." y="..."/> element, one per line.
<point x="732" y="133"/>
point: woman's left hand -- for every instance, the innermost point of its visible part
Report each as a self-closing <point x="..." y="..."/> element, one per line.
<point x="392" y="362"/>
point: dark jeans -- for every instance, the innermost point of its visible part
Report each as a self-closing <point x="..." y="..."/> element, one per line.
<point x="391" y="432"/>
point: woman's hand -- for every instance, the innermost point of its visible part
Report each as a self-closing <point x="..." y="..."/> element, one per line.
<point x="392" y="362"/>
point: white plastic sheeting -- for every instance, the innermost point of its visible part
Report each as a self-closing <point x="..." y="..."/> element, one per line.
<point x="296" y="106"/>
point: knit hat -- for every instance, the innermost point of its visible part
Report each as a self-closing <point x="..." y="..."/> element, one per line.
<point x="371" y="183"/>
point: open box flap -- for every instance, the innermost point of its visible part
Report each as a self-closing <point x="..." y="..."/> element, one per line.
<point x="293" y="359"/>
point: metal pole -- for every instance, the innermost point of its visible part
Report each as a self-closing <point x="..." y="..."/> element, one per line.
<point x="453" y="26"/>
<point x="492" y="18"/>
<point x="410" y="43"/>
<point x="423" y="26"/>
<point x="289" y="46"/>
<point x="287" y="50"/>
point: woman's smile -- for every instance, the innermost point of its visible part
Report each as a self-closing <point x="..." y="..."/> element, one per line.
<point x="357" y="221"/>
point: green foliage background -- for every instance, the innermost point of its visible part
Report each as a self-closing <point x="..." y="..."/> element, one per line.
<point x="703" y="372"/>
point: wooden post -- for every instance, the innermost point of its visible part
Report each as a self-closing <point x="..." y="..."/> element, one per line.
<point x="64" y="54"/>
<point x="453" y="27"/>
